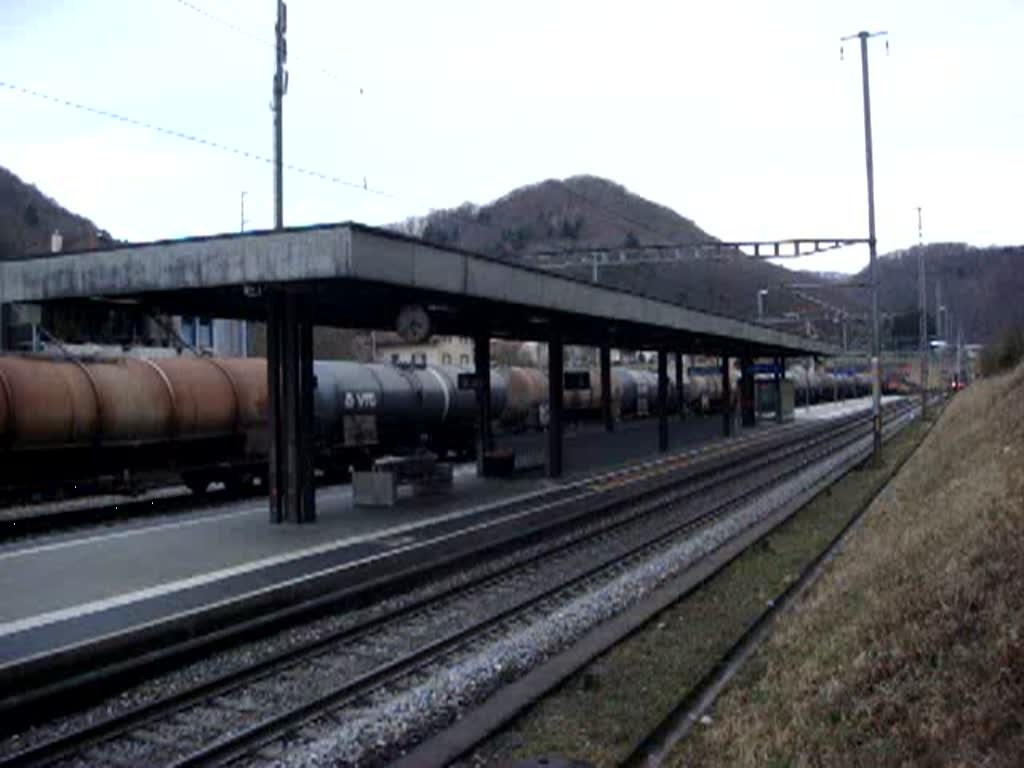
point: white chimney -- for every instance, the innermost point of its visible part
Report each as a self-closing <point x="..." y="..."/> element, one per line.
<point x="56" y="241"/>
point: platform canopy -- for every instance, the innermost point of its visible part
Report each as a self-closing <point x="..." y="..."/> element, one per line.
<point x="356" y="276"/>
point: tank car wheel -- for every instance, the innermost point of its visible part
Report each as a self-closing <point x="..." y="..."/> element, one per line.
<point x="196" y="482"/>
<point x="362" y="462"/>
<point x="337" y="474"/>
<point x="237" y="484"/>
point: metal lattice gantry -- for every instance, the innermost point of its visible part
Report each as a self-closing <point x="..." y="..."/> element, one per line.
<point x="652" y="253"/>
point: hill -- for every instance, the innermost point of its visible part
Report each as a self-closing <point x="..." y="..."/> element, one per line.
<point x="980" y="286"/>
<point x="28" y="218"/>
<point x="586" y="211"/>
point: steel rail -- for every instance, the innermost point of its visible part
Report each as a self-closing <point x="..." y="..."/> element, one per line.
<point x="455" y="741"/>
<point x="743" y="465"/>
<point x="49" y="699"/>
<point x="273" y="728"/>
<point x="656" y="744"/>
<point x="75" y="741"/>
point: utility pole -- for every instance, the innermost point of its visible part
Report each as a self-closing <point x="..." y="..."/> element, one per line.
<point x="876" y="374"/>
<point x="959" y="355"/>
<point x="949" y="335"/>
<point x="922" y="303"/>
<point x="280" y="88"/>
<point x="243" y="325"/>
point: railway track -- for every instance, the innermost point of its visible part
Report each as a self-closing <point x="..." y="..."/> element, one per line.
<point x="69" y="680"/>
<point x="653" y="748"/>
<point x="289" y="695"/>
<point x="23" y="520"/>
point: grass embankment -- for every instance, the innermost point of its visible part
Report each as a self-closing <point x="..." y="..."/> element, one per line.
<point x="601" y="713"/>
<point x="910" y="650"/>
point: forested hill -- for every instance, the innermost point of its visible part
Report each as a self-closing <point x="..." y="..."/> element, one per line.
<point x="586" y="211"/>
<point x="982" y="287"/>
<point x="28" y="218"/>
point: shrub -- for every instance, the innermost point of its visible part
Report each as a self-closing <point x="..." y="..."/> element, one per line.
<point x="1005" y="353"/>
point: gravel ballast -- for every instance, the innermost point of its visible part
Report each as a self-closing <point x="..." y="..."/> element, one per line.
<point x="393" y="720"/>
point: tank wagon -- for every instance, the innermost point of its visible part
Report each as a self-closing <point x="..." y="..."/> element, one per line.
<point x="363" y="410"/>
<point x="66" y="423"/>
<point x="823" y="385"/>
<point x="526" y="399"/>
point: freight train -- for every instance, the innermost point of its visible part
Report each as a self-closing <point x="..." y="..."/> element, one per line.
<point x="821" y="385"/>
<point x="64" y="423"/>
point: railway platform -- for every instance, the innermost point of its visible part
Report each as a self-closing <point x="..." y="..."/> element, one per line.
<point x="70" y="591"/>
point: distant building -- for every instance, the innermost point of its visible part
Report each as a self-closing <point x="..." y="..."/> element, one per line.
<point x="437" y="350"/>
<point x="224" y="338"/>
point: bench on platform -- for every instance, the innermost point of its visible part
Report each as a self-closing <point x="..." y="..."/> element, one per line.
<point x="379" y="486"/>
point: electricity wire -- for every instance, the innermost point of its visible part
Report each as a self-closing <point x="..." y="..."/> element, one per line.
<point x="190" y="138"/>
<point x="264" y="41"/>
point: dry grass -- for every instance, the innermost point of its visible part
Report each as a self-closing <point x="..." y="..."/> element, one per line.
<point x="910" y="650"/>
<point x="602" y="712"/>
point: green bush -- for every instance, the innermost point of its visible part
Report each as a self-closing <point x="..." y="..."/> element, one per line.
<point x="1005" y="353"/>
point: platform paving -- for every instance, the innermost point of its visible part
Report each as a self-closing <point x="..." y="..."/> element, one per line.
<point x="85" y="584"/>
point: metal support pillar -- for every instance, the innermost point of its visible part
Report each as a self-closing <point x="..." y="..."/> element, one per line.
<point x="680" y="399"/>
<point x="876" y="343"/>
<point x="276" y="477"/>
<point x="307" y="385"/>
<point x="748" y="408"/>
<point x="290" y="386"/>
<point x="922" y="320"/>
<point x="727" y="412"/>
<point x="662" y="400"/>
<point x="780" y="368"/>
<point x="606" y="387"/>
<point x="807" y="383"/>
<point x="482" y="367"/>
<point x="556" y="387"/>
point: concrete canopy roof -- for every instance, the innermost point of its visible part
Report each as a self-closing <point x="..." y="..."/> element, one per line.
<point x="359" y="277"/>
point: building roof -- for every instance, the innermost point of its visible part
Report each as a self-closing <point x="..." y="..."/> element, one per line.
<point x="359" y="276"/>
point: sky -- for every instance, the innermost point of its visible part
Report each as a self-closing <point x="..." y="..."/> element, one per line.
<point x="739" y="114"/>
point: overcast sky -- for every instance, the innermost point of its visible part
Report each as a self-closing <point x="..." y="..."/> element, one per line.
<point x="739" y="115"/>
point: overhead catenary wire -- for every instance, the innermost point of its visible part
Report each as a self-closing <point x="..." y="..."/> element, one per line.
<point x="181" y="135"/>
<point x="195" y="8"/>
<point x="264" y="41"/>
<point x="247" y="154"/>
<point x="193" y="138"/>
<point x="622" y="217"/>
